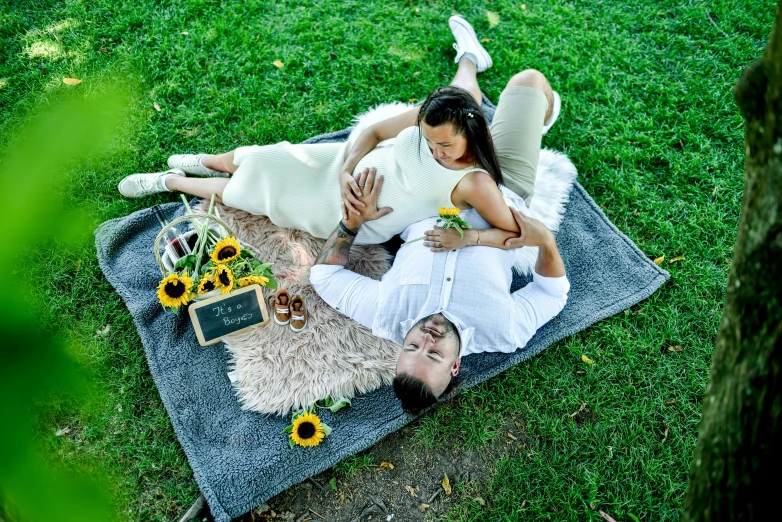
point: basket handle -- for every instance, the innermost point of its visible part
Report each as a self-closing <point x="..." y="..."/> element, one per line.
<point x="180" y="219"/>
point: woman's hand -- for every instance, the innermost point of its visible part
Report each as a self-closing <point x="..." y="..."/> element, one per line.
<point x="351" y="191"/>
<point x="445" y="240"/>
<point x="368" y="210"/>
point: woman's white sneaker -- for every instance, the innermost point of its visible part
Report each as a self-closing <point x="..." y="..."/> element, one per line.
<point x="191" y="164"/>
<point x="467" y="42"/>
<point x="140" y="185"/>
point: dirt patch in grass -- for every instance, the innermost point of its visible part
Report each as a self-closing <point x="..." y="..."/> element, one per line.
<point x="369" y="490"/>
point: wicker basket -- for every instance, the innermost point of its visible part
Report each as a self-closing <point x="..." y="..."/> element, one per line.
<point x="166" y="265"/>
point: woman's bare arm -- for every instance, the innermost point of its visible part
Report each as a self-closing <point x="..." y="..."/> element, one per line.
<point x="479" y="191"/>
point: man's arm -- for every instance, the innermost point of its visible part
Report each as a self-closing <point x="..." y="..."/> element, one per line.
<point x="546" y="296"/>
<point x="336" y="251"/>
<point x="349" y="293"/>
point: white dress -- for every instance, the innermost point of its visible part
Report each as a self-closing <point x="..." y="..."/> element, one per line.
<point x="297" y="186"/>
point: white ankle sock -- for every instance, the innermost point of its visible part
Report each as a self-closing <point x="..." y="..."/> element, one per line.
<point x="162" y="181"/>
<point x="472" y="58"/>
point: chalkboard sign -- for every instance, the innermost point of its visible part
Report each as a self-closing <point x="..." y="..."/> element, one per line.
<point x="226" y="314"/>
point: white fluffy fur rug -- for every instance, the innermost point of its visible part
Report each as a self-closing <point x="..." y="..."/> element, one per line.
<point x="275" y="370"/>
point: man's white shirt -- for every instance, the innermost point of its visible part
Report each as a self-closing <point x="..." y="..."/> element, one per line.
<point x="469" y="286"/>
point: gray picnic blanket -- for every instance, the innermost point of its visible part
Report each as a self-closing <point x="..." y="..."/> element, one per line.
<point x="240" y="459"/>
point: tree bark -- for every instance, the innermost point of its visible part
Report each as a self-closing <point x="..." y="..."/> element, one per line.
<point x="738" y="451"/>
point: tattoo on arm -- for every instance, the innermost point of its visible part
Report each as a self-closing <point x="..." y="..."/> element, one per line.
<point x="336" y="251"/>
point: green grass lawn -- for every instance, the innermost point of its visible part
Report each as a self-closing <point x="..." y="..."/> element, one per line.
<point x="648" y="119"/>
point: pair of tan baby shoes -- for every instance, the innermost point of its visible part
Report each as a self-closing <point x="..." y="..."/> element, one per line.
<point x="290" y="311"/>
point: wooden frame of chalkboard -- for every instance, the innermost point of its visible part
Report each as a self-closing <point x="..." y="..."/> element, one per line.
<point x="234" y="312"/>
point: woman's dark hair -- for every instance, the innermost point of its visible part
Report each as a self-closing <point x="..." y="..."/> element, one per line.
<point x="456" y="106"/>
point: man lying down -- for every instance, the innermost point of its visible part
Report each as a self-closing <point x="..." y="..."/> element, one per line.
<point x="441" y="301"/>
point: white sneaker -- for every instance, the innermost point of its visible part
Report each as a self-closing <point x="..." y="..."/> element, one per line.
<point x="554" y="113"/>
<point x="191" y="164"/>
<point x="467" y="42"/>
<point x="140" y="185"/>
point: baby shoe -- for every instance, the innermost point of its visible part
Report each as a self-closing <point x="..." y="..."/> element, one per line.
<point x="298" y="314"/>
<point x="281" y="307"/>
<point x="191" y="164"/>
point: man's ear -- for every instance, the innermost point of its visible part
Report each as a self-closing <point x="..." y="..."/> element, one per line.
<point x="455" y="367"/>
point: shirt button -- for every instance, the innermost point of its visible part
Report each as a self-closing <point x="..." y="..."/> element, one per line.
<point x="448" y="279"/>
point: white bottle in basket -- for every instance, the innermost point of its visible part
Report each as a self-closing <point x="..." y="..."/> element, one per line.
<point x="175" y="245"/>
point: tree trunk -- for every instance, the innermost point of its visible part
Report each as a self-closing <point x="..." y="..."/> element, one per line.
<point x="738" y="451"/>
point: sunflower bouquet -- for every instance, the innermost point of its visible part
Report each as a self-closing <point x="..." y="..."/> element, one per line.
<point x="449" y="217"/>
<point x="216" y="265"/>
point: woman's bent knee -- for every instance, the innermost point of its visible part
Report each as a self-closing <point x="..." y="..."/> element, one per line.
<point x="529" y="78"/>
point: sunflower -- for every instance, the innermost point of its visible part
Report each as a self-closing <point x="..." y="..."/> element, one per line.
<point x="174" y="290"/>
<point x="226" y="250"/>
<point x="307" y="430"/>
<point x="253" y="280"/>
<point x="449" y="211"/>
<point x="206" y="284"/>
<point x="223" y="278"/>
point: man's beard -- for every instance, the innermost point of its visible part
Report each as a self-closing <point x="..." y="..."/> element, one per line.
<point x="441" y="323"/>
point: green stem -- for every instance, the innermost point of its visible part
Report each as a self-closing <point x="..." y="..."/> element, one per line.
<point x="201" y="244"/>
<point x="411" y="241"/>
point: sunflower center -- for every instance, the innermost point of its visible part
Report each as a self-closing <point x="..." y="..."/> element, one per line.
<point x="174" y="289"/>
<point x="208" y="286"/>
<point x="306" y="430"/>
<point x="226" y="252"/>
<point x="225" y="280"/>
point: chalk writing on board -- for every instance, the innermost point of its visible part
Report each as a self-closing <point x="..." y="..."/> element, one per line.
<point x="223" y="315"/>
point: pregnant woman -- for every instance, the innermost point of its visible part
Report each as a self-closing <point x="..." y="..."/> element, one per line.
<point x="440" y="154"/>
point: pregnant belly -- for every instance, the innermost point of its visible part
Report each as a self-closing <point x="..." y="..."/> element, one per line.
<point x="377" y="158"/>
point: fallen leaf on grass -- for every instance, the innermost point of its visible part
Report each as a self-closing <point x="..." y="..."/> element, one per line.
<point x="524" y="503"/>
<point x="485" y="40"/>
<point x="278" y="64"/>
<point x="678" y="258"/>
<point x="659" y="260"/>
<point x="77" y="266"/>
<point x="71" y="81"/>
<point x="665" y="435"/>
<point x="157" y="107"/>
<point x="587" y="359"/>
<point x="62" y="431"/>
<point x="100" y="332"/>
<point x="510" y="436"/>
<point x="423" y="507"/>
<point x="184" y="33"/>
<point x="523" y="7"/>
<point x="412" y="490"/>
<point x="607" y="517"/>
<point x="387" y="465"/>
<point x="480" y="501"/>
<point x="446" y="485"/>
<point x="579" y="410"/>
<point x="412" y="100"/>
<point x="676" y="348"/>
<point x="57" y="37"/>
<point x="670" y="401"/>
<point x="494" y="18"/>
